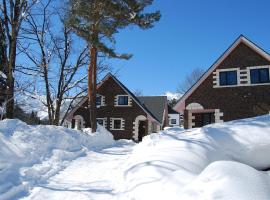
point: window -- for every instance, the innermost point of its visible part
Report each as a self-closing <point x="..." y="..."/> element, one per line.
<point x="117" y="124"/>
<point x="122" y="100"/>
<point x="101" y="121"/>
<point x="98" y="101"/>
<point x="228" y="78"/>
<point x="173" y="121"/>
<point x="259" y="75"/>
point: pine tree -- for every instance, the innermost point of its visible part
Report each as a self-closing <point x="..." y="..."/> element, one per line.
<point x="97" y="21"/>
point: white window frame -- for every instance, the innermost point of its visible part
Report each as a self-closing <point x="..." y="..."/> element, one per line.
<point x="122" y="95"/>
<point x="122" y="125"/>
<point x="257" y="67"/>
<point x="216" y="83"/>
<point x="240" y="77"/>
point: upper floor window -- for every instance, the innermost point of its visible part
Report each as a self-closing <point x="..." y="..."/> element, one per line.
<point x="98" y="101"/>
<point x="228" y="78"/>
<point x="259" y="75"/>
<point x="122" y="100"/>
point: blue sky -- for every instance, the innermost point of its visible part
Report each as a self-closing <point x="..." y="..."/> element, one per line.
<point x="190" y="34"/>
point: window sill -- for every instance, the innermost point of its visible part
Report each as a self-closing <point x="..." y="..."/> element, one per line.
<point x="117" y="129"/>
<point x="122" y="105"/>
<point x="241" y="85"/>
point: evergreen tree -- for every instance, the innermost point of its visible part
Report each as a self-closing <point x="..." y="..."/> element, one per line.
<point x="97" y="21"/>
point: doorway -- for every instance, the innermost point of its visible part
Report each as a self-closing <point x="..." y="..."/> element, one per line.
<point x="142" y="130"/>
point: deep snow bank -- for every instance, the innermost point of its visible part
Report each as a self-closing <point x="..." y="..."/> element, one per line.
<point x="178" y="163"/>
<point x="32" y="154"/>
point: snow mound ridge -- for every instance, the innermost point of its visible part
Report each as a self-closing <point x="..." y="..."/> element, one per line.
<point x="175" y="164"/>
<point x="31" y="154"/>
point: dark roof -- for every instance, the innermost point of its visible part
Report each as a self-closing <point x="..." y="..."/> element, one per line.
<point x="172" y="111"/>
<point x="155" y="104"/>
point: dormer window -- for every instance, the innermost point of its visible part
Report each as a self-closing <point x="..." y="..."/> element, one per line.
<point x="259" y="75"/>
<point x="228" y="78"/>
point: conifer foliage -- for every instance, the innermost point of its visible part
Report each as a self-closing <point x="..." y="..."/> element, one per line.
<point x="97" y="22"/>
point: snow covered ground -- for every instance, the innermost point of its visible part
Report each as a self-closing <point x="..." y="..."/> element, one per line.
<point x="222" y="161"/>
<point x="96" y="176"/>
<point x="30" y="155"/>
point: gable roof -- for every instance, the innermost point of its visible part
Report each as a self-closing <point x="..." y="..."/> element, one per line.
<point x="132" y="96"/>
<point x="139" y="103"/>
<point x="172" y="111"/>
<point x="240" y="39"/>
<point x="155" y="104"/>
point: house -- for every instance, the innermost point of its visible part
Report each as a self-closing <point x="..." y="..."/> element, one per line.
<point x="121" y="112"/>
<point x="236" y="86"/>
<point x="174" y="117"/>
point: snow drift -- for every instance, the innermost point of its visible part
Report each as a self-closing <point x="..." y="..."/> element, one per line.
<point x="219" y="161"/>
<point x="32" y="154"/>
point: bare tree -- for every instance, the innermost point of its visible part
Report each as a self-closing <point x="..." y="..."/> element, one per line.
<point x="56" y="60"/>
<point x="190" y="80"/>
<point x="12" y="14"/>
<point x="138" y="92"/>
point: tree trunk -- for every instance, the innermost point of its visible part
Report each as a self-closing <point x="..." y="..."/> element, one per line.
<point x="10" y="78"/>
<point x="92" y="87"/>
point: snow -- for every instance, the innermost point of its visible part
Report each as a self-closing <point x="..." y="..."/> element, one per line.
<point x="3" y="75"/>
<point x="220" y="161"/>
<point x="215" y="162"/>
<point x="33" y="103"/>
<point x="95" y="176"/>
<point x="30" y="155"/>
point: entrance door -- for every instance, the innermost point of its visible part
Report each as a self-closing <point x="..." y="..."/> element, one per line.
<point x="203" y="119"/>
<point x="142" y="130"/>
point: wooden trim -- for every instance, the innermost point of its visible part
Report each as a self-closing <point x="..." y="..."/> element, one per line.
<point x="112" y="124"/>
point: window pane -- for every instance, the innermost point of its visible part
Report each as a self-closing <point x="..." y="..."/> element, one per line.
<point x="173" y="121"/>
<point x="117" y="124"/>
<point x="264" y="75"/>
<point x="122" y="100"/>
<point x="254" y="75"/>
<point x="228" y="78"/>
<point x="232" y="78"/>
<point x="222" y="78"/>
<point x="98" y="100"/>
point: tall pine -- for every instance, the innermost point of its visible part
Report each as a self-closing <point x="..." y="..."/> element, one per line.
<point x="97" y="22"/>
